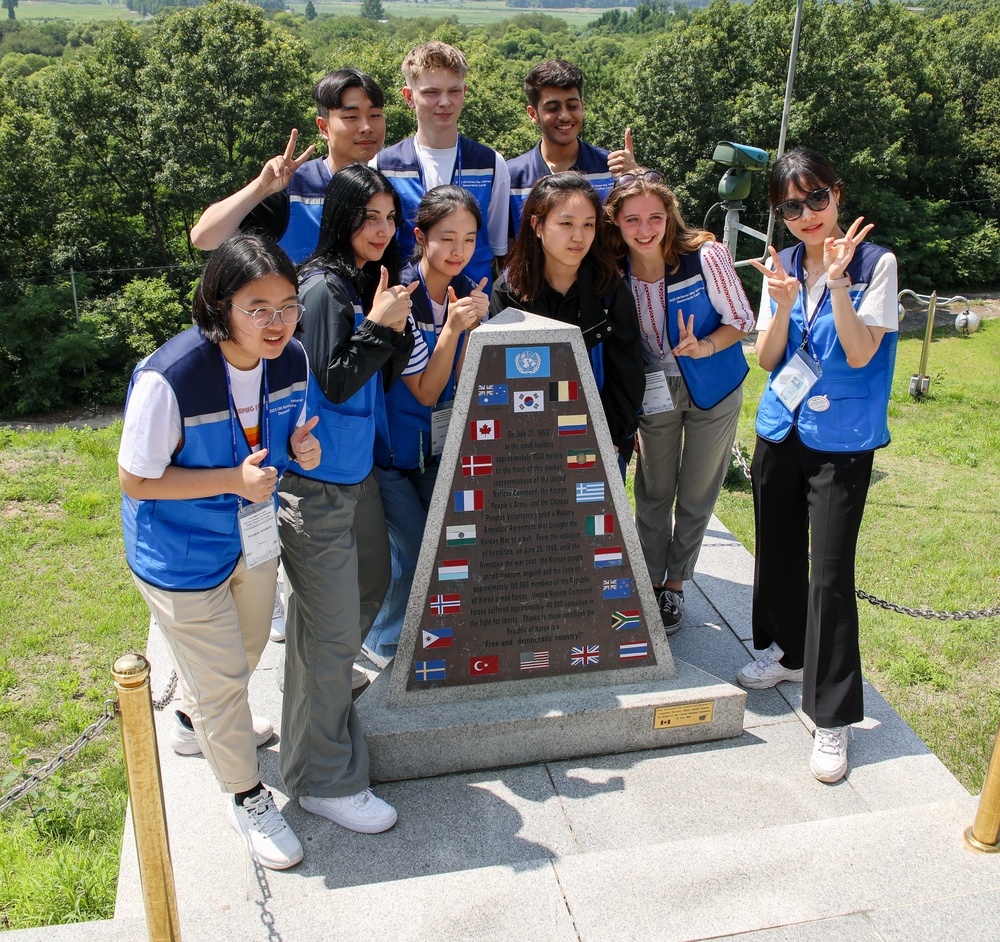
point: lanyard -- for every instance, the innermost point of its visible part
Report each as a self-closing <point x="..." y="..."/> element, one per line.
<point x="807" y="321"/>
<point x="264" y="417"/>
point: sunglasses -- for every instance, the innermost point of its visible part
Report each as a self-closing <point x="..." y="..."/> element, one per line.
<point x="817" y="201"/>
<point x="650" y="176"/>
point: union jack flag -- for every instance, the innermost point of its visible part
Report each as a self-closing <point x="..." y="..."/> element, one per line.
<point x="584" y="654"/>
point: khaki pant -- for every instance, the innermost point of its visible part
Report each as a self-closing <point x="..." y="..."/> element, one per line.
<point x="216" y="637"/>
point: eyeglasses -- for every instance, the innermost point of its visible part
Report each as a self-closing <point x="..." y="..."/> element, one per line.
<point x="650" y="176"/>
<point x="792" y="209"/>
<point x="264" y="316"/>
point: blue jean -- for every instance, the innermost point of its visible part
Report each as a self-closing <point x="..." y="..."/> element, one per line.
<point x="406" y="495"/>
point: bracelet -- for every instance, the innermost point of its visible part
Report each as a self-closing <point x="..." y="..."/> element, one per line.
<point x="844" y="282"/>
<point x="712" y="342"/>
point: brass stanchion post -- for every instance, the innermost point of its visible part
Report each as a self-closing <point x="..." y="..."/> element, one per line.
<point x="985" y="830"/>
<point x="145" y="787"/>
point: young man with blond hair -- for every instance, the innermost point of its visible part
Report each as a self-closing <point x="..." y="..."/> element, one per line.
<point x="437" y="154"/>
<point x="554" y="90"/>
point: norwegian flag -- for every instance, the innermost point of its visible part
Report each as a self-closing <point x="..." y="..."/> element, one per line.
<point x="476" y="464"/>
<point x="446" y="604"/>
<point x="485" y="430"/>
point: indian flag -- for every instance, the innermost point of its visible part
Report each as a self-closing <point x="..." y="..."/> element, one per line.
<point x="461" y="535"/>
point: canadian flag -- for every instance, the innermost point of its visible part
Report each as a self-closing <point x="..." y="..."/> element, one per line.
<point x="485" y="430"/>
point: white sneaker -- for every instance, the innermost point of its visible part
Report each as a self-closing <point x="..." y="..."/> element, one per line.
<point x="269" y="839"/>
<point x="278" y="618"/>
<point x="361" y="812"/>
<point x="184" y="742"/>
<point x="380" y="662"/>
<point x="829" y="755"/>
<point x="767" y="672"/>
<point x="359" y="679"/>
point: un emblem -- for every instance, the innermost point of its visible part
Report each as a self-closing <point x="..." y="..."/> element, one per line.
<point x="528" y="362"/>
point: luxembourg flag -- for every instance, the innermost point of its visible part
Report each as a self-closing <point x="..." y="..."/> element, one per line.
<point x="607" y="556"/>
<point x="600" y="525"/>
<point x="468" y="500"/>
<point x="453" y="569"/>
<point x="485" y="430"/>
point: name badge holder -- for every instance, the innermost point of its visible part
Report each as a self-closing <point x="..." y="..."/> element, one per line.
<point x="440" y="419"/>
<point x="657" y="396"/>
<point x="258" y="522"/>
<point x="803" y="370"/>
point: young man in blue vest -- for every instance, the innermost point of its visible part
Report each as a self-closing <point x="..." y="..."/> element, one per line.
<point x="286" y="199"/>
<point x="437" y="154"/>
<point x="554" y="90"/>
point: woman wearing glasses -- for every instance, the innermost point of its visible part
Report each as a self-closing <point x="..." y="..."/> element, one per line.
<point x="693" y="315"/>
<point x="355" y="331"/>
<point x="561" y="268"/>
<point x="827" y="327"/>
<point x="212" y="418"/>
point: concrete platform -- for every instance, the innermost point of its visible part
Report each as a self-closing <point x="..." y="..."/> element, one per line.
<point x="730" y="839"/>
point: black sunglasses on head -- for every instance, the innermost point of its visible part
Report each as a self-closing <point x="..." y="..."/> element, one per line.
<point x="650" y="176"/>
<point x="817" y="201"/>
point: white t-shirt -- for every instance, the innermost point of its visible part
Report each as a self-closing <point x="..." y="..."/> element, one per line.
<point x="152" y="429"/>
<point x="878" y="308"/>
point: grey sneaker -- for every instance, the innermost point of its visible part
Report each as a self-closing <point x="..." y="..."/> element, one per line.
<point x="671" y="603"/>
<point x="829" y="755"/>
<point x="361" y="812"/>
<point x="270" y="841"/>
<point x="766" y="671"/>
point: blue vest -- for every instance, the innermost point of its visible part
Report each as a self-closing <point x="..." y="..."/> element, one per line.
<point x="409" y="421"/>
<point x="194" y="544"/>
<point x="854" y="402"/>
<point x="346" y="430"/>
<point x="305" y="209"/>
<point x="708" y="379"/>
<point x="474" y="170"/>
<point x="528" y="169"/>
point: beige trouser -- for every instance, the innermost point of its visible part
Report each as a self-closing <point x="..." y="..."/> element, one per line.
<point x="216" y="637"/>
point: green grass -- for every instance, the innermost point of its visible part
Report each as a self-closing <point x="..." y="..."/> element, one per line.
<point x="67" y="611"/>
<point x="929" y="540"/>
<point x="77" y="12"/>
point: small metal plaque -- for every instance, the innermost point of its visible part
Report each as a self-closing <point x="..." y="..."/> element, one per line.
<point x="686" y="714"/>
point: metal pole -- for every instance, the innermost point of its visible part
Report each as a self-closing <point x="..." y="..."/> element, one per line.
<point x="928" y="333"/>
<point x="985" y="831"/>
<point x="145" y="787"/>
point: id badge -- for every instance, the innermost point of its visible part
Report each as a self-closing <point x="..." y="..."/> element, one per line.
<point x="440" y="418"/>
<point x="796" y="378"/>
<point x="259" y="533"/>
<point x="657" y="397"/>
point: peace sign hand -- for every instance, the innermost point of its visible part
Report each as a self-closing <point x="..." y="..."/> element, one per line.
<point x="837" y="253"/>
<point x="689" y="345"/>
<point x="782" y="287"/>
<point x="278" y="171"/>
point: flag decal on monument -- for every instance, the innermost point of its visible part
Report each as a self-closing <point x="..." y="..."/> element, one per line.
<point x="572" y="424"/>
<point x="629" y="650"/>
<point x="590" y="492"/>
<point x="608" y="556"/>
<point x="468" y="500"/>
<point x="461" y="535"/>
<point x="601" y="525"/>
<point x="476" y="464"/>
<point x="529" y="401"/>
<point x="429" y="670"/>
<point x="493" y="394"/>
<point x="625" y="621"/>
<point x="527" y="362"/>
<point x="457" y="569"/>
<point x="565" y="391"/>
<point x="484" y="665"/>
<point x="485" y="430"/>
<point x="436" y="637"/>
<point x="579" y="459"/>
<point x="446" y="604"/>
<point x="585" y="654"/>
<point x="617" y="588"/>
<point x="535" y="661"/>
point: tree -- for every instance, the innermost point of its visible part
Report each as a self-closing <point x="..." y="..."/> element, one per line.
<point x="9" y="6"/>
<point x="372" y="10"/>
<point x="310" y="10"/>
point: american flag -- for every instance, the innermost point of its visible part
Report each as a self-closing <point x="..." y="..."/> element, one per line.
<point x="535" y="661"/>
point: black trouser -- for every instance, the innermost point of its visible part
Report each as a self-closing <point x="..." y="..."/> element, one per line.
<point x="812" y="614"/>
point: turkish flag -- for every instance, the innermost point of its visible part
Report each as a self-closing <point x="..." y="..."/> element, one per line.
<point x="484" y="665"/>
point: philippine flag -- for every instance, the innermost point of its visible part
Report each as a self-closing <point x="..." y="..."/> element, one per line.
<point x="436" y="637"/>
<point x="476" y="464"/>
<point x="468" y="500"/>
<point x="457" y="569"/>
<point x="600" y="525"/>
<point x="485" y="430"/>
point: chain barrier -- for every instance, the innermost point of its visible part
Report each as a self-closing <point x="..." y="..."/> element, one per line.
<point x="31" y="782"/>
<point x="968" y="615"/>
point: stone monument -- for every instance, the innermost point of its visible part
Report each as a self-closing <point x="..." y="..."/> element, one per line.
<point x="532" y="632"/>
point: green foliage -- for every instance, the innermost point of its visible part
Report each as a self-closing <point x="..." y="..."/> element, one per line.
<point x="372" y="10"/>
<point x="310" y="10"/>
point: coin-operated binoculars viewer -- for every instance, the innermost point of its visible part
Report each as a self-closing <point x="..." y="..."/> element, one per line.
<point x="742" y="160"/>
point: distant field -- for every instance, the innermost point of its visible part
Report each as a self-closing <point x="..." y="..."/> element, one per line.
<point x="468" y="11"/>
